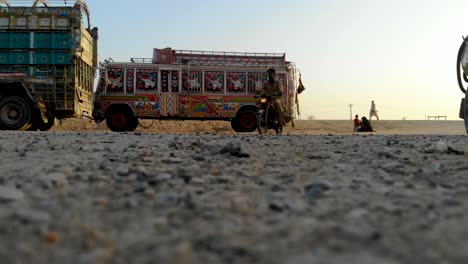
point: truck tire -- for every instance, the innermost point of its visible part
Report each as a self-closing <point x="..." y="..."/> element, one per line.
<point x="246" y="121"/>
<point x="120" y="119"/>
<point x="15" y="113"/>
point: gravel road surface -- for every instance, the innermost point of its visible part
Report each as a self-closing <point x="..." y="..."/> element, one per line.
<point x="69" y="197"/>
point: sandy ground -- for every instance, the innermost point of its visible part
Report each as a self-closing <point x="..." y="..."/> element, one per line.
<point x="313" y="127"/>
<point x="175" y="196"/>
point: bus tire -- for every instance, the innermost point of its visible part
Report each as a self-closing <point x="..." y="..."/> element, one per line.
<point x="235" y="125"/>
<point x="15" y="113"/>
<point x="246" y="120"/>
<point x="121" y="119"/>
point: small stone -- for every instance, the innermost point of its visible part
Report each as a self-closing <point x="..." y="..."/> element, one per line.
<point x="32" y="216"/>
<point x="199" y="158"/>
<point x="199" y="182"/>
<point x="172" y="160"/>
<point x="149" y="193"/>
<point x="9" y="194"/>
<point x="441" y="147"/>
<point x="318" y="156"/>
<point x="51" y="237"/>
<point x="182" y="173"/>
<point x="163" y="177"/>
<point x="357" y="214"/>
<point x="56" y="179"/>
<point x="276" y="207"/>
<point x="315" y="190"/>
<point x="234" y="148"/>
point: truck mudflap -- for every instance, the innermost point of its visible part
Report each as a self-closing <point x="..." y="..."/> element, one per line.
<point x="98" y="115"/>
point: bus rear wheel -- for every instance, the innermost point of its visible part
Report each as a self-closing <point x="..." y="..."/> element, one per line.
<point x="121" y="120"/>
<point x="15" y="113"/>
<point x="245" y="121"/>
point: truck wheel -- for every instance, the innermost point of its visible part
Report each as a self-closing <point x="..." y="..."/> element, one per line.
<point x="121" y="120"/>
<point x="247" y="120"/>
<point x="15" y="113"/>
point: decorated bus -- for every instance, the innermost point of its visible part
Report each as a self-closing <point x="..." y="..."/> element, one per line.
<point x="190" y="85"/>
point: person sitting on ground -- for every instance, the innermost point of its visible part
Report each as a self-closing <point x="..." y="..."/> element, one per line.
<point x="365" y="125"/>
<point x="357" y="123"/>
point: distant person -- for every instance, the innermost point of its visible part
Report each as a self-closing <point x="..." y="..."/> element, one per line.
<point x="365" y="125"/>
<point x="357" y="123"/>
<point x="373" y="111"/>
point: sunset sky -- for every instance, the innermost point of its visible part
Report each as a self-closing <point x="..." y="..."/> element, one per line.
<point x="402" y="54"/>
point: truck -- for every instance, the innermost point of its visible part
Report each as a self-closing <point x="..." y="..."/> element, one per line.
<point x="190" y="85"/>
<point x="462" y="77"/>
<point x="48" y="56"/>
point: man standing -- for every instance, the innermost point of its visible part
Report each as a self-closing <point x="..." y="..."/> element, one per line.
<point x="357" y="123"/>
<point x="274" y="88"/>
<point x="373" y="111"/>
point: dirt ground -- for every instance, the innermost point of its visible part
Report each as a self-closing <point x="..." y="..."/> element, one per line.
<point x="314" y="127"/>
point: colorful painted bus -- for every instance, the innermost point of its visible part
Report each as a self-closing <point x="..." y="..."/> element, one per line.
<point x="189" y="85"/>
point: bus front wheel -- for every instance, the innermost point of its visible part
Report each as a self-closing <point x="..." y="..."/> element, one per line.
<point x="245" y="121"/>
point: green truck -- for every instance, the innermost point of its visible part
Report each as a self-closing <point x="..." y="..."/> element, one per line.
<point x="48" y="56"/>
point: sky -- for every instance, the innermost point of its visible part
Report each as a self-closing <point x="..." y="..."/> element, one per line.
<point x="399" y="53"/>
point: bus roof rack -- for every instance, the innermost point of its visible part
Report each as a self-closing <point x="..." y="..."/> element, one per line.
<point x="217" y="58"/>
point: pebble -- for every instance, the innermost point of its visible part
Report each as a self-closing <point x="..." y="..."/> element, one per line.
<point x="9" y="194"/>
<point x="56" y="179"/>
<point x="315" y="190"/>
<point x="32" y="216"/>
<point x="234" y="148"/>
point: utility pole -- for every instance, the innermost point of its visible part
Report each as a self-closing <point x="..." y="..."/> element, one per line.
<point x="350" y="112"/>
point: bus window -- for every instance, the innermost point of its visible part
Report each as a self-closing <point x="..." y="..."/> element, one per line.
<point x="115" y="79"/>
<point x="130" y="81"/>
<point x="214" y="81"/>
<point x="256" y="81"/>
<point x="192" y="82"/>
<point x="169" y="81"/>
<point x="236" y="82"/>
<point x="175" y="81"/>
<point x="147" y="80"/>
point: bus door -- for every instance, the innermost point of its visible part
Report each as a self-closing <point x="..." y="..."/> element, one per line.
<point x="191" y="94"/>
<point x="147" y="97"/>
<point x="170" y="84"/>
